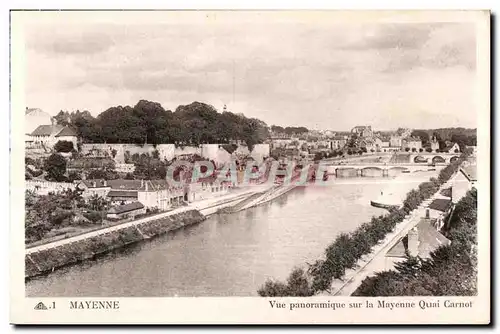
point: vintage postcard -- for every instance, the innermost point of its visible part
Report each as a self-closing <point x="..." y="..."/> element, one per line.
<point x="250" y="167"/>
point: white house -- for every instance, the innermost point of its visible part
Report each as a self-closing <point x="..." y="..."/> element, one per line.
<point x="49" y="135"/>
<point x="33" y="118"/>
<point x="452" y="148"/>
<point x="464" y="180"/>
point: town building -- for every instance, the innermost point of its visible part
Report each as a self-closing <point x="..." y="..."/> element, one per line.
<point x="49" y="135"/>
<point x="152" y="193"/>
<point x="33" y="118"/>
<point x="129" y="210"/>
<point x="396" y="141"/>
<point x="364" y="131"/>
<point x="434" y="144"/>
<point x="438" y="211"/>
<point x="464" y="180"/>
<point x="451" y="148"/>
<point x="205" y="189"/>
<point x="412" y="144"/>
<point x="338" y="142"/>
<point x="368" y="144"/>
<point x="420" y="241"/>
<point x="91" y="188"/>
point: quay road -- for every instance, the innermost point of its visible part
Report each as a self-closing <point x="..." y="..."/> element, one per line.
<point x="375" y="261"/>
<point x="102" y="231"/>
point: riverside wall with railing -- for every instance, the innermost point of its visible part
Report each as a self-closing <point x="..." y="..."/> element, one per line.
<point x="48" y="257"/>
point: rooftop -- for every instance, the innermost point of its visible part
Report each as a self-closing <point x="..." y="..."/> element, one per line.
<point x="440" y="204"/>
<point x="429" y="239"/>
<point x="126" y="208"/>
<point x="470" y="172"/>
<point x="123" y="193"/>
<point x="67" y="131"/>
<point x="47" y="130"/>
<point x="95" y="183"/>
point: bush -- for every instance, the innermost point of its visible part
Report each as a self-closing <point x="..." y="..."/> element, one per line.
<point x="29" y="161"/>
<point x="428" y="149"/>
<point x="297" y="285"/>
<point x="414" y="149"/>
<point x="64" y="146"/>
<point x="60" y="216"/>
<point x="73" y="176"/>
<point x="55" y="165"/>
<point x="421" y="150"/>
<point x="407" y="149"/>
<point x="93" y="216"/>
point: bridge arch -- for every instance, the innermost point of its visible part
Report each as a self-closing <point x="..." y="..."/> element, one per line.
<point x="419" y="159"/>
<point x="346" y="172"/>
<point x="394" y="171"/>
<point x="372" y="171"/>
<point x="438" y="159"/>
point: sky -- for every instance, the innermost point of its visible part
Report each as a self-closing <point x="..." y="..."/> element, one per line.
<point x="321" y="74"/>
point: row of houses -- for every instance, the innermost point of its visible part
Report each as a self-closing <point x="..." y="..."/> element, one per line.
<point x="162" y="195"/>
<point x="400" y="140"/>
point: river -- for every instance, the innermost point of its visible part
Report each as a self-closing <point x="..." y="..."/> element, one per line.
<point x="228" y="255"/>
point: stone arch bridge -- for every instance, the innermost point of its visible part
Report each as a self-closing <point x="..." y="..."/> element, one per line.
<point x="375" y="170"/>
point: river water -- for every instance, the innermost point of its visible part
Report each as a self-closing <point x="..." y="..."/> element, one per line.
<point x="228" y="255"/>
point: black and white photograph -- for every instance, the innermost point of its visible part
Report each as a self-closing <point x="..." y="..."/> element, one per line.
<point x="305" y="155"/>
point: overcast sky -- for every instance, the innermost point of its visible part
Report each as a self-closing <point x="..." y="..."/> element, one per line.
<point x="323" y="75"/>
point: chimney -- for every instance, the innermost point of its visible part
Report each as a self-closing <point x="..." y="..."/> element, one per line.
<point x="142" y="183"/>
<point x="413" y="242"/>
<point x="105" y="182"/>
<point x="146" y="186"/>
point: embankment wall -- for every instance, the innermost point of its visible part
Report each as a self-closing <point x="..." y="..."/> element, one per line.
<point x="46" y="260"/>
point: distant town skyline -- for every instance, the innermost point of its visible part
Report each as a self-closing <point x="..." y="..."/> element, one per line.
<point x="321" y="74"/>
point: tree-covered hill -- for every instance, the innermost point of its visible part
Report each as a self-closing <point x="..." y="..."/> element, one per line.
<point x="149" y="122"/>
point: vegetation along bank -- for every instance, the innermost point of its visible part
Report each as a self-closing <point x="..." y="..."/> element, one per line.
<point x="348" y="248"/>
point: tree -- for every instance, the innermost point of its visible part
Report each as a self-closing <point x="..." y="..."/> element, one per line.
<point x="407" y="149"/>
<point x="428" y="149"/>
<point x="318" y="156"/>
<point x="423" y="135"/>
<point x="414" y="149"/>
<point x="64" y="146"/>
<point x="97" y="203"/>
<point x="420" y="150"/>
<point x="55" y="166"/>
<point x="461" y="139"/>
<point x="97" y="174"/>
<point x="73" y="176"/>
<point x="457" y="150"/>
